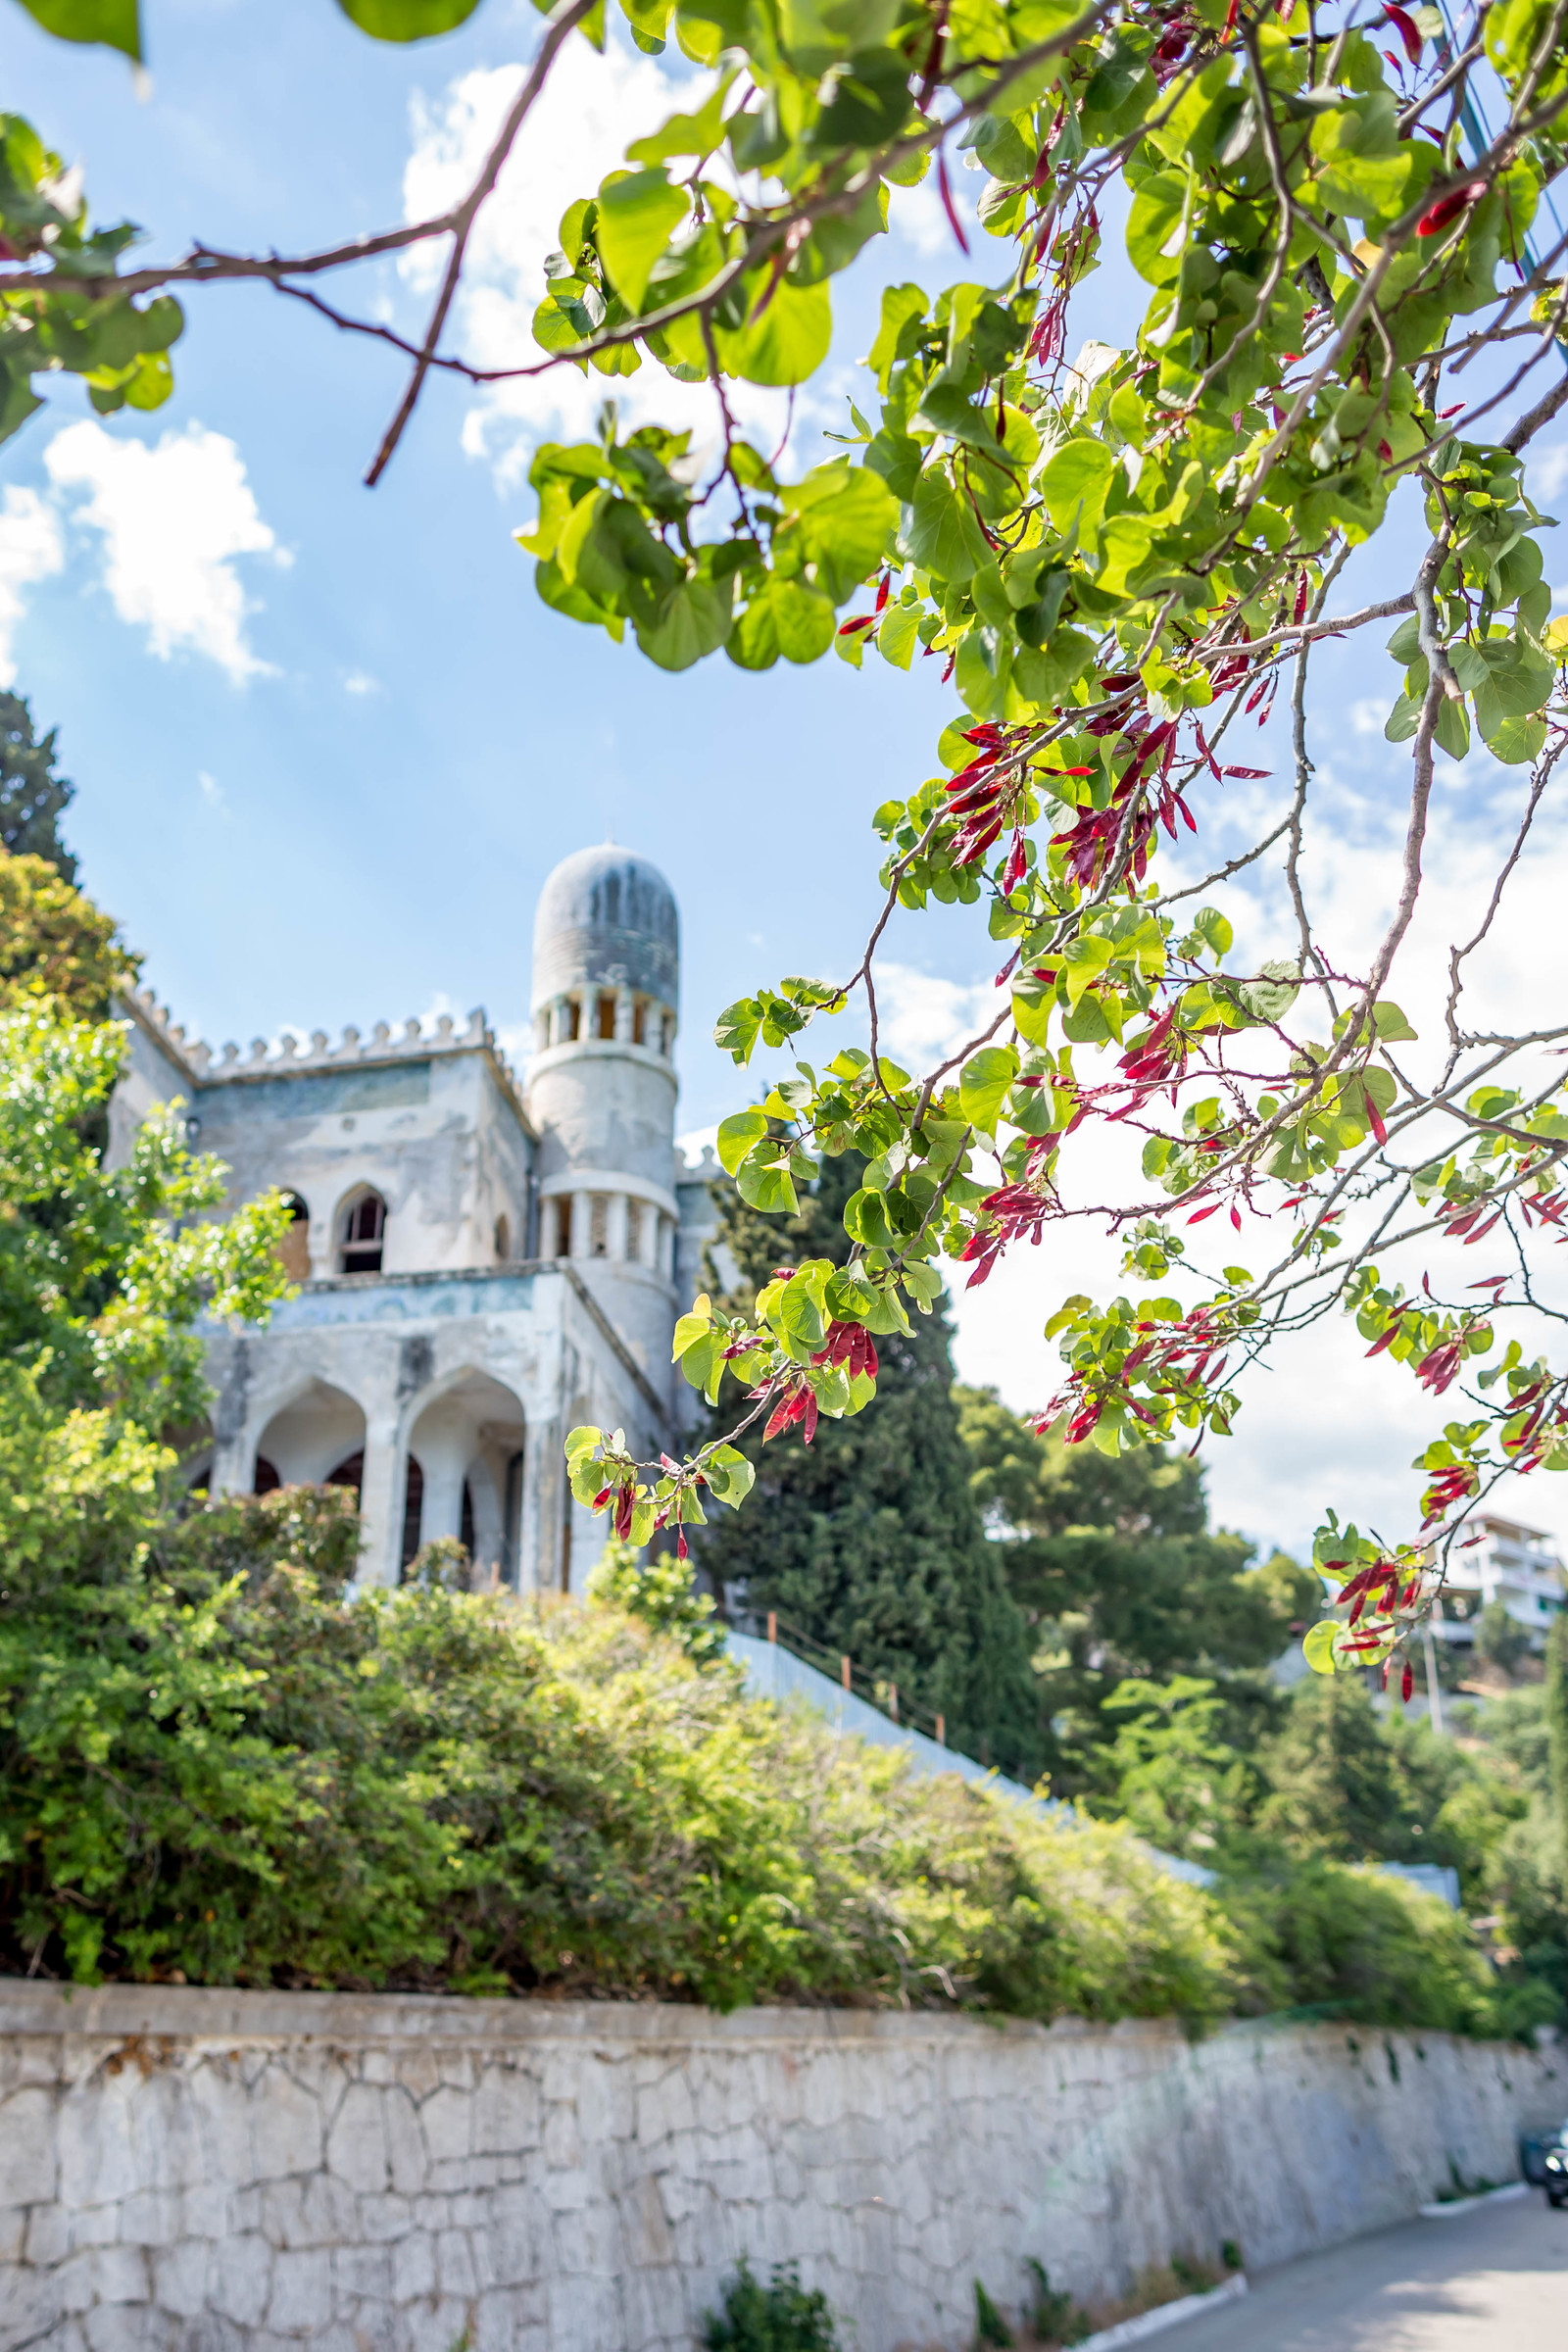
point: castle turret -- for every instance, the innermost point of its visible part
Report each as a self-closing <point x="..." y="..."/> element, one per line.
<point x="602" y="1085"/>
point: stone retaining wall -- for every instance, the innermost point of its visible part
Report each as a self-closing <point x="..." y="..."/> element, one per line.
<point x="186" y="2171"/>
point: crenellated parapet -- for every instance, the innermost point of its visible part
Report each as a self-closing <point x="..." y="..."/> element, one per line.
<point x="287" y="1056"/>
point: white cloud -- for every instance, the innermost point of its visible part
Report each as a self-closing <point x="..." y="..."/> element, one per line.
<point x="174" y="519"/>
<point x="1547" y="471"/>
<point x="696" y="1141"/>
<point x="211" y="790"/>
<point x="359" y="681"/>
<point x="578" y="131"/>
<point x="922" y="1020"/>
<point x="31" y="549"/>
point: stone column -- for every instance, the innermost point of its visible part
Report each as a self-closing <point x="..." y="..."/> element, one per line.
<point x="616" y="1236"/>
<point x="381" y="1503"/>
<point x="443" y="1460"/>
<point x="625" y="1014"/>
<point x="544" y="1471"/>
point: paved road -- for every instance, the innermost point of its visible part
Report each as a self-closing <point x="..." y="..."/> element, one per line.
<point x="1494" y="2279"/>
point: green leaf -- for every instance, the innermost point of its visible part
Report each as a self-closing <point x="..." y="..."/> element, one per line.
<point x="866" y="1220"/>
<point x="1402" y="720"/>
<point x="1074" y="483"/>
<point x="843" y="515"/>
<point x="865" y="102"/>
<point x="1516" y="742"/>
<point x="1451" y="734"/>
<point x="729" y="1475"/>
<point x="899" y="634"/>
<point x="405" y="20"/>
<point x="1033" y="1003"/>
<point x="1318" y="1648"/>
<point x="738" y="1135"/>
<point x="638" y="211"/>
<point x="803" y="620"/>
<point x="688" y="621"/>
<point x="1270" y="997"/>
<point x="113" y="22"/>
<point x="901" y="306"/>
<point x="692" y="1327"/>
<point x="983" y="1085"/>
<point x="941" y="531"/>
<point x="788" y="342"/>
<point x="738" y="1027"/>
<point x="1157" y="227"/>
<point x="766" y="1186"/>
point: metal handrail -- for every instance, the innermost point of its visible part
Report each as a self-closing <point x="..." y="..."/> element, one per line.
<point x="877" y="1691"/>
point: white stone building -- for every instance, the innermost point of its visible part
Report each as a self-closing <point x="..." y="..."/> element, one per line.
<point x="1515" y="1565"/>
<point x="483" y="1262"/>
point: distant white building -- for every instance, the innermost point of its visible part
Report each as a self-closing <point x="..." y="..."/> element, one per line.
<point x="1515" y="1565"/>
<point x="483" y="1261"/>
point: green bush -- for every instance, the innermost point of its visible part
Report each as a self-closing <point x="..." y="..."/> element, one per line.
<point x="782" y="2317"/>
<point x="1350" y="1943"/>
<point x="213" y="1767"/>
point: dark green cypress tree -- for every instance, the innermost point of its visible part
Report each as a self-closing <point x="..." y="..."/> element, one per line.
<point x="869" y="1541"/>
<point x="33" y="797"/>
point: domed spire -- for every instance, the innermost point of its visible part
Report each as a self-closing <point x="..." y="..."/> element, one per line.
<point x="606" y="919"/>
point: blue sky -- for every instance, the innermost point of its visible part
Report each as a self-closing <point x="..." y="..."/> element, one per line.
<point x="328" y="741"/>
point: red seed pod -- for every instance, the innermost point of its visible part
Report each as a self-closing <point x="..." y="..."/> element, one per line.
<point x="1407" y="30"/>
<point x="1407" y="1680"/>
<point x="1447" y="208"/>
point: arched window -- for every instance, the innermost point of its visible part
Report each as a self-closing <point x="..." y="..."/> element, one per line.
<point x="607" y="1013"/>
<point x="562" y="1207"/>
<point x="639" y="1023"/>
<point x="361" y="1234"/>
<point x="265" y="1479"/>
<point x="294" y="1250"/>
<point x="350" y="1472"/>
<point x="502" y="1239"/>
<point x="413" y="1510"/>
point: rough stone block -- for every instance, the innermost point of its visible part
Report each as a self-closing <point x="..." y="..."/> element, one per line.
<point x="239" y="2279"/>
<point x="286" y="2121"/>
<point x="179" y="2279"/>
<point x="29" y="2161"/>
<point x="413" y="2267"/>
<point x="301" y="2300"/>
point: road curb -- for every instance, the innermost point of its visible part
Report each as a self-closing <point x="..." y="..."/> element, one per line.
<point x="1487" y="2197"/>
<point x="1164" y="2315"/>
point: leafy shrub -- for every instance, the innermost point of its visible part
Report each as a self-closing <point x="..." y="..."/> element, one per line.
<point x="782" y="2317"/>
<point x="1350" y="1943"/>
<point x="659" y="1591"/>
<point x="213" y="1767"/>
